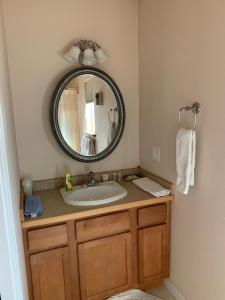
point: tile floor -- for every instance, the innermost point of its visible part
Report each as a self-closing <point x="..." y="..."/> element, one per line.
<point x="161" y="292"/>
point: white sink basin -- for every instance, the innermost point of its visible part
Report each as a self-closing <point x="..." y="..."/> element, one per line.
<point x="103" y="193"/>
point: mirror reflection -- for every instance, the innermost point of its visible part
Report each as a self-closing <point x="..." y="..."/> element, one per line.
<point x="88" y="115"/>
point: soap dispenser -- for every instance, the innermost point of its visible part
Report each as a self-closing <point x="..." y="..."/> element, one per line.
<point x="68" y="180"/>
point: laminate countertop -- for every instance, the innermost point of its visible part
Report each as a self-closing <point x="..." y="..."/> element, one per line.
<point x="55" y="210"/>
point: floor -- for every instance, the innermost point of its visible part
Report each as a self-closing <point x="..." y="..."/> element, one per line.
<point x="162" y="292"/>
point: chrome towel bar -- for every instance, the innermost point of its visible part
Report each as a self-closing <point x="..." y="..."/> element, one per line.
<point x="195" y="108"/>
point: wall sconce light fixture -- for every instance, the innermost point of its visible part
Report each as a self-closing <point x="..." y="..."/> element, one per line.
<point x="86" y="53"/>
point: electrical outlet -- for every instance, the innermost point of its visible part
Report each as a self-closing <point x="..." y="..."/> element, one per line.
<point x="153" y="152"/>
<point x="156" y="153"/>
<point x="157" y="156"/>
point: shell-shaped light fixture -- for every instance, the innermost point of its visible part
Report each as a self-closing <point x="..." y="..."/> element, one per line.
<point x="86" y="53"/>
<point x="101" y="55"/>
<point x="73" y="54"/>
<point x="89" y="58"/>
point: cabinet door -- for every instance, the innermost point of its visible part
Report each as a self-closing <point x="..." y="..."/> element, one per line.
<point x="105" y="266"/>
<point x="51" y="275"/>
<point x="152" y="253"/>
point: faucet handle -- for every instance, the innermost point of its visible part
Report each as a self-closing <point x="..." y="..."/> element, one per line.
<point x="91" y="174"/>
<point x="91" y="179"/>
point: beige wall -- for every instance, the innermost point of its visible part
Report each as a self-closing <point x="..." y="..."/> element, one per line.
<point x="12" y="264"/>
<point x="182" y="59"/>
<point x="37" y="32"/>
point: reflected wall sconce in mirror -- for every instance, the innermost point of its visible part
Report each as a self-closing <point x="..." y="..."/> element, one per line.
<point x="86" y="53"/>
<point x="99" y="98"/>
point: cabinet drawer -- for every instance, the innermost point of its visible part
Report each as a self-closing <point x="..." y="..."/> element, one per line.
<point x="152" y="215"/>
<point x="49" y="237"/>
<point x="102" y="226"/>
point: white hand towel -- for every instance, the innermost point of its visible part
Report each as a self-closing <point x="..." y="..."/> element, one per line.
<point x="185" y="159"/>
<point x="151" y="187"/>
<point x="112" y="131"/>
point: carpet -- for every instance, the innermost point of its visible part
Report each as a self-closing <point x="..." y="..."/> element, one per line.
<point x="134" y="295"/>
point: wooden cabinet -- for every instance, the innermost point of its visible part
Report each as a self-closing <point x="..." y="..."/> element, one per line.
<point x="50" y="272"/>
<point x="152" y="215"/>
<point x="105" y="266"/>
<point x="152" y="253"/>
<point x="103" y="226"/>
<point x="49" y="237"/>
<point x="100" y="256"/>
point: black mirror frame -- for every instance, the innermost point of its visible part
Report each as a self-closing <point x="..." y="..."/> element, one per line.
<point x="54" y="114"/>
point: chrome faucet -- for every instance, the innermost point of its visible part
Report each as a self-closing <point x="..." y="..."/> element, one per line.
<point x="91" y="179"/>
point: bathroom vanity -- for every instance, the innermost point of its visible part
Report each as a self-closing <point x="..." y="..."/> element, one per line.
<point x="94" y="252"/>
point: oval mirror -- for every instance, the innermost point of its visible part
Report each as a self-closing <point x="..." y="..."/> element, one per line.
<point x="87" y="114"/>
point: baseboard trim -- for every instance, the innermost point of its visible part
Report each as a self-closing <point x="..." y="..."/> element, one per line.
<point x="173" y="290"/>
